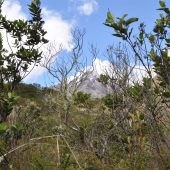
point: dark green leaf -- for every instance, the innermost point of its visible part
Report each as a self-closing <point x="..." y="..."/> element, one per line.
<point x="124" y="16"/>
<point x="152" y="38"/>
<point x="167" y="40"/>
<point x="117" y="35"/>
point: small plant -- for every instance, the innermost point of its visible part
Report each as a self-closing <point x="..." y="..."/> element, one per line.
<point x="81" y="98"/>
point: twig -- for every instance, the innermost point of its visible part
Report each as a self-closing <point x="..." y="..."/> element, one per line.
<point x="72" y="152"/>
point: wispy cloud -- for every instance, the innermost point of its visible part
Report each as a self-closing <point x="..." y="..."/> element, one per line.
<point x="84" y="7"/>
<point x="87" y="8"/>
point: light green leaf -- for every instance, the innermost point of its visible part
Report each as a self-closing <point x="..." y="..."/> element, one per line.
<point x="110" y="18"/>
<point x="152" y="53"/>
<point x="131" y="20"/>
<point x="152" y="38"/>
<point x="11" y="95"/>
<point x="162" y="3"/>
<point x="3" y="127"/>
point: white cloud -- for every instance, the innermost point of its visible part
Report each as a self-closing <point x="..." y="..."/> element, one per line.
<point x="101" y="67"/>
<point x="87" y="8"/>
<point x="13" y="10"/>
<point x="58" y="33"/>
<point x="58" y="29"/>
<point x="139" y="72"/>
<point x="105" y="67"/>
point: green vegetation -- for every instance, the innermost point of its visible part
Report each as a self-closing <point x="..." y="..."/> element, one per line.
<point x="58" y="128"/>
<point x="81" y="97"/>
<point x="14" y="64"/>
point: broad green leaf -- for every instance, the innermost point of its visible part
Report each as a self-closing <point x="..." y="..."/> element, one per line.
<point x="130" y="32"/>
<point x="152" y="38"/>
<point x="11" y="95"/>
<point x="152" y="53"/>
<point x="167" y="40"/>
<point x="115" y="26"/>
<point x="168" y="45"/>
<point x="110" y="18"/>
<point x="162" y="3"/>
<point x="122" y="20"/>
<point x="123" y="30"/>
<point x="3" y="127"/>
<point x="141" y="36"/>
<point x="124" y="16"/>
<point x="131" y="20"/>
<point x="37" y="2"/>
<point x="117" y="35"/>
<point x="166" y="10"/>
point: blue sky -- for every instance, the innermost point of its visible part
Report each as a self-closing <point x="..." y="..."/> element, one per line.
<point x="62" y="16"/>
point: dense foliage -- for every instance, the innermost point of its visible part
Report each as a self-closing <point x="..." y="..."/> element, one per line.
<point x="58" y="128"/>
<point x="23" y="38"/>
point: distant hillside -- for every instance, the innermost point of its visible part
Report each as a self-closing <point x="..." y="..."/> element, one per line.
<point x="92" y="86"/>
